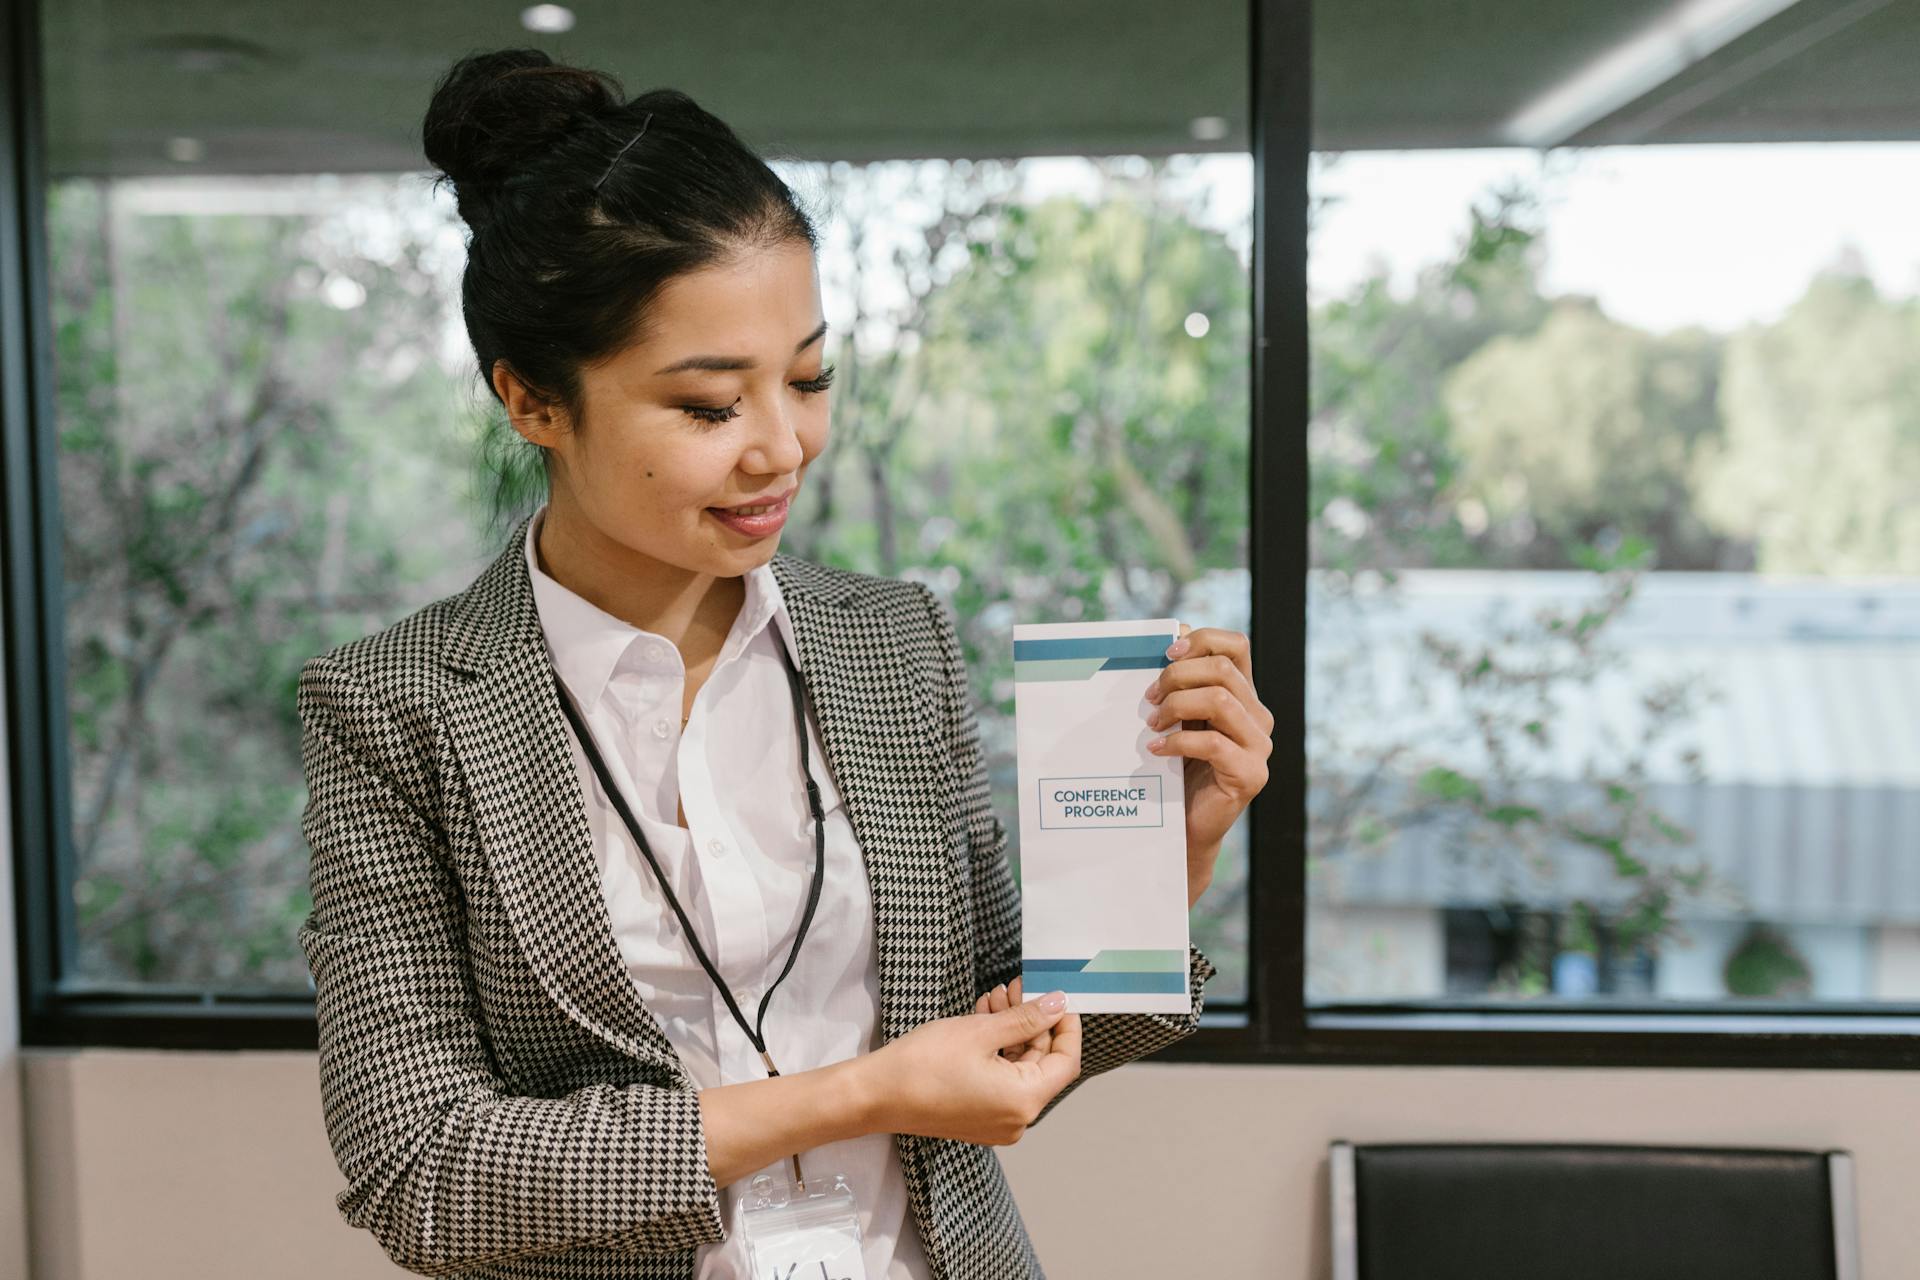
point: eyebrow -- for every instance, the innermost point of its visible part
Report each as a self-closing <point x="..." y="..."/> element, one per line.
<point x="725" y="364"/>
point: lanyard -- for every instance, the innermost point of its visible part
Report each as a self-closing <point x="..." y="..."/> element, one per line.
<point x="755" y="1034"/>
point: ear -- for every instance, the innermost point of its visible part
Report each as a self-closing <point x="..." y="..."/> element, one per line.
<point x="535" y="417"/>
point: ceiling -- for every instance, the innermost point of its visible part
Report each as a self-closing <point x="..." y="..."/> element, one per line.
<point x="270" y="87"/>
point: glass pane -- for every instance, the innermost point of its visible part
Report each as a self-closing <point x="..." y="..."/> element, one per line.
<point x="1047" y="412"/>
<point x="1615" y="607"/>
<point x="267" y="405"/>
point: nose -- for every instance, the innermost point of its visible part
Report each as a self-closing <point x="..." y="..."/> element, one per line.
<point x="775" y="448"/>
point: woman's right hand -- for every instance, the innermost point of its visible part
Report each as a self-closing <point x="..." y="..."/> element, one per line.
<point x="948" y="1079"/>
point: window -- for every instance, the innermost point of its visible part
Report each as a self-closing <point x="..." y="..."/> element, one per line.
<point x="259" y="437"/>
<point x="1532" y="387"/>
<point x="1613" y="628"/>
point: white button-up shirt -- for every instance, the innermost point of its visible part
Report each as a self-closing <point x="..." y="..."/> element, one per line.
<point x="741" y="868"/>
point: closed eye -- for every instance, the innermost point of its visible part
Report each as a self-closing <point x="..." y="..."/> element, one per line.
<point x="726" y="413"/>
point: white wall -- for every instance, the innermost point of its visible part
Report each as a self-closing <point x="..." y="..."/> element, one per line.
<point x="214" y="1165"/>
<point x="13" y="1190"/>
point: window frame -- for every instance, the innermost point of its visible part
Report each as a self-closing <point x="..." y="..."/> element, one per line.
<point x="1274" y="1025"/>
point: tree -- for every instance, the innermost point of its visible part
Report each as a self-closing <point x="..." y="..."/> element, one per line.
<point x="1586" y="429"/>
<point x="1819" y="460"/>
<point x="253" y="433"/>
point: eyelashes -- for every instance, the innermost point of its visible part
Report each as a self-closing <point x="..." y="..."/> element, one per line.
<point x="726" y="413"/>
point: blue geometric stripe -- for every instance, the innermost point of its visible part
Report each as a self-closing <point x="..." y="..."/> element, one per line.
<point x="1092" y="647"/>
<point x="1054" y="966"/>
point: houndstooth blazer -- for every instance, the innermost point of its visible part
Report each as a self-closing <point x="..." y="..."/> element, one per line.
<point x="498" y="1098"/>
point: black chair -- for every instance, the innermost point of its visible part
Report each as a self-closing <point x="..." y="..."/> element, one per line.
<point x="1550" y="1212"/>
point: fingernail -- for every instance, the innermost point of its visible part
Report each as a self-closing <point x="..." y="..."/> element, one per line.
<point x="1156" y="744"/>
<point x="1153" y="692"/>
<point x="1177" y="648"/>
<point x="1053" y="1001"/>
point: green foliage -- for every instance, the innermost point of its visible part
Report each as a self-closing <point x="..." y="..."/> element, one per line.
<point x="255" y="440"/>
<point x="259" y="431"/>
<point x="1819" y="460"/>
<point x="1766" y="965"/>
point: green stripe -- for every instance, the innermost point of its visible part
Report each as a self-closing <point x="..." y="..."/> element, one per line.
<point x="1138" y="962"/>
<point x="1056" y="669"/>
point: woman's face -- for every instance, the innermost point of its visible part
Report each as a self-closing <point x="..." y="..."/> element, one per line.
<point x="720" y="407"/>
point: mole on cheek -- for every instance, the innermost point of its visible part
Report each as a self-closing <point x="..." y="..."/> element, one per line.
<point x="649" y="475"/>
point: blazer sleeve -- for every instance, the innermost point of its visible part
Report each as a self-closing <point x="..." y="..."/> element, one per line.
<point x="1108" y="1040"/>
<point x="445" y="1167"/>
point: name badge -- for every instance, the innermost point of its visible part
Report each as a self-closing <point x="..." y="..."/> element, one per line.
<point x="810" y="1233"/>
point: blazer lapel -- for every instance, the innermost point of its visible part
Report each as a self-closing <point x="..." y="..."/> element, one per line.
<point x="882" y="741"/>
<point x="510" y="742"/>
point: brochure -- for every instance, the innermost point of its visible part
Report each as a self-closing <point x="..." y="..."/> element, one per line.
<point x="1103" y="863"/>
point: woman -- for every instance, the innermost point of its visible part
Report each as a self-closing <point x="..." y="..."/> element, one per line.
<point x="604" y="922"/>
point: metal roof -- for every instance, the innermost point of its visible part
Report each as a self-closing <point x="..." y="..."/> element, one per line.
<point x="1807" y="799"/>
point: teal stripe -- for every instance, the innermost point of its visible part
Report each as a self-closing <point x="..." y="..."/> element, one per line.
<point x="1054" y="966"/>
<point x="1137" y="983"/>
<point x="1092" y="647"/>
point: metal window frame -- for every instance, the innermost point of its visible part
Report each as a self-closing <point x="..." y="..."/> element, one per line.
<point x="1273" y="1025"/>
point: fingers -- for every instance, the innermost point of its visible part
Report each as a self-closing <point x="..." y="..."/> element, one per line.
<point x="1061" y="1063"/>
<point x="1231" y="645"/>
<point x="1023" y="1022"/>
<point x="1240" y="773"/>
<point x="1021" y="1053"/>
<point x="1219" y="708"/>
<point x="1213" y="657"/>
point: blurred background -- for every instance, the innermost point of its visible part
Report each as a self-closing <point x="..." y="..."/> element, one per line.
<point x="1612" y="602"/>
<point x="1613" y="618"/>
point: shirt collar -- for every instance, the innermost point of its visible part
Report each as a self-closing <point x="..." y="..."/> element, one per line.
<point x="588" y="643"/>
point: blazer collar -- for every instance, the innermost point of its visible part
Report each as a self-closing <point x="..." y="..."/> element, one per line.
<point x="508" y="740"/>
<point x="495" y="618"/>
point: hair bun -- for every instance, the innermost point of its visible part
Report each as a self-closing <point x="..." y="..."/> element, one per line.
<point x="492" y="113"/>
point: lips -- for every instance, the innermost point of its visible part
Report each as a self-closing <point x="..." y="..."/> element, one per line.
<point x="755" y="519"/>
<point x="768" y="500"/>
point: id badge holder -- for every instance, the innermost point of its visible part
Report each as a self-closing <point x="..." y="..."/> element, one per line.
<point x="807" y="1231"/>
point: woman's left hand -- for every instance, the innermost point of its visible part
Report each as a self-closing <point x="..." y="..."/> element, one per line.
<point x="1205" y="697"/>
<point x="1004" y="997"/>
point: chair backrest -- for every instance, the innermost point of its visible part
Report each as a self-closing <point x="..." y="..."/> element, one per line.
<point x="1522" y="1212"/>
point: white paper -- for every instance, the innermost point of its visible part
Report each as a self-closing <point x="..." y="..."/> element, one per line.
<point x="814" y="1236"/>
<point x="1103" y="863"/>
<point x="825" y="1252"/>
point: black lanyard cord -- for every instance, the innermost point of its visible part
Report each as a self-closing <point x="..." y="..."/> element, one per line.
<point x="754" y="1033"/>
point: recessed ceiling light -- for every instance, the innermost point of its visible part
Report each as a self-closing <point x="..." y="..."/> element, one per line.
<point x="547" y="19"/>
<point x="1208" y="128"/>
<point x="186" y="150"/>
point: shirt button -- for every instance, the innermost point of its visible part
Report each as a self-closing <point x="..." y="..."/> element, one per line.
<point x="715" y="846"/>
<point x="656" y="653"/>
<point x="661" y="728"/>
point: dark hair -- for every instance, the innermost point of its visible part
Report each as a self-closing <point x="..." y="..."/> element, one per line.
<point x="560" y="272"/>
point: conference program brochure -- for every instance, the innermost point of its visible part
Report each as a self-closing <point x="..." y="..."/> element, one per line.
<point x="1103" y="866"/>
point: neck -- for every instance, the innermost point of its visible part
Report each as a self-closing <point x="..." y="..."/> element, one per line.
<point x="693" y="610"/>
